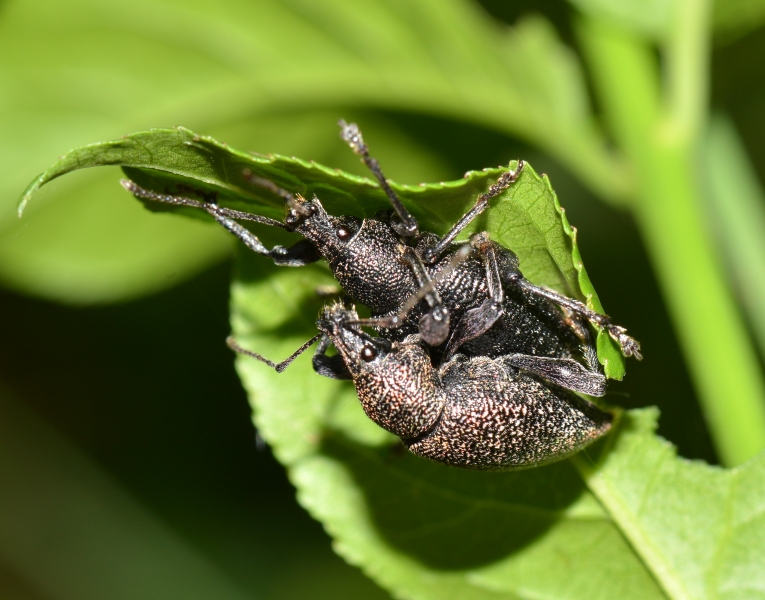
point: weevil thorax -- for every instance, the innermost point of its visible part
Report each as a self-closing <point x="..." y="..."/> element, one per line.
<point x="363" y="254"/>
<point x="396" y="383"/>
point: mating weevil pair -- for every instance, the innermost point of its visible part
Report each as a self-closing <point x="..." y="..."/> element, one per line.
<point x="462" y="300"/>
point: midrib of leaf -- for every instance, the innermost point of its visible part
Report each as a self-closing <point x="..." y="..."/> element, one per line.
<point x="726" y="536"/>
<point x="629" y="524"/>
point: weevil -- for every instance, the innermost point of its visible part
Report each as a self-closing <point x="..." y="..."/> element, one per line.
<point x="470" y="298"/>
<point x="473" y="412"/>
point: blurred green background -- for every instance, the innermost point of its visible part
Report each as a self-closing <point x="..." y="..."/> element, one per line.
<point x="128" y="462"/>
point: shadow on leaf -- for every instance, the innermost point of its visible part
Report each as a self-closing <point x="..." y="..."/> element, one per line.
<point x="449" y="518"/>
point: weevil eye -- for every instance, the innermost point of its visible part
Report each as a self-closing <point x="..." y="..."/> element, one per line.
<point x="368" y="353"/>
<point x="346" y="227"/>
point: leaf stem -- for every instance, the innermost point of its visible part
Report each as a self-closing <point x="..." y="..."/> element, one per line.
<point x="687" y="51"/>
<point x="737" y="206"/>
<point x="661" y="141"/>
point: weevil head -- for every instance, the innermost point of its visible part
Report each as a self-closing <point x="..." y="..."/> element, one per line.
<point x="357" y="348"/>
<point x="331" y="235"/>
<point x="396" y="383"/>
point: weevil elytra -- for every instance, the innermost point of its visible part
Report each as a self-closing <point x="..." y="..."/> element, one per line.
<point x="468" y="298"/>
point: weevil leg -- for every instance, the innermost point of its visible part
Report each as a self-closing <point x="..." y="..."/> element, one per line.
<point x="434" y="325"/>
<point x="578" y="325"/>
<point x="297" y="255"/>
<point x="407" y="227"/>
<point x="477" y="321"/>
<point x="278" y="367"/>
<point x="329" y="366"/>
<point x="565" y="372"/>
<point x="507" y="179"/>
<point x="176" y="200"/>
<point x="629" y="346"/>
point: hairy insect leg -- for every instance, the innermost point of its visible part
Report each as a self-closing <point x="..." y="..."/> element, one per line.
<point x="297" y="255"/>
<point x="278" y="367"/>
<point x="352" y="135"/>
<point x="629" y="346"/>
<point x="329" y="366"/>
<point x="565" y="372"/>
<point x="176" y="200"/>
<point x="477" y="321"/>
<point x="507" y="179"/>
<point x="434" y="325"/>
<point x="578" y="325"/>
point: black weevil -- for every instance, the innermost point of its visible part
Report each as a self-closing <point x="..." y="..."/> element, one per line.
<point x="470" y="297"/>
<point x="473" y="412"/>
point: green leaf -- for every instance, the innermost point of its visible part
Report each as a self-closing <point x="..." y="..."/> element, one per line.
<point x="639" y="523"/>
<point x="86" y="241"/>
<point x="698" y="529"/>
<point x="88" y="70"/>
<point x="420" y="529"/>
<point x="527" y="218"/>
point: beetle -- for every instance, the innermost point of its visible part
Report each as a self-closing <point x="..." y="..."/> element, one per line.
<point x="472" y="412"/>
<point x="469" y="297"/>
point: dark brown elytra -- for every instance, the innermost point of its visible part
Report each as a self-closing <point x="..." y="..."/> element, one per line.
<point x="469" y="298"/>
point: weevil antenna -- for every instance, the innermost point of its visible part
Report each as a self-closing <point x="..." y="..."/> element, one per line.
<point x="210" y="207"/>
<point x="288" y="197"/>
<point x="278" y="367"/>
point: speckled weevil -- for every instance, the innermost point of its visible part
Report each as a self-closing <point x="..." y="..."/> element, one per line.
<point x="470" y="298"/>
<point x="473" y="412"/>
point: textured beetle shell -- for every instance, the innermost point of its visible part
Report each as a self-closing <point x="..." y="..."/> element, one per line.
<point x="499" y="419"/>
<point x="401" y="392"/>
<point x="371" y="270"/>
<point x="475" y="413"/>
<point x="529" y="325"/>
